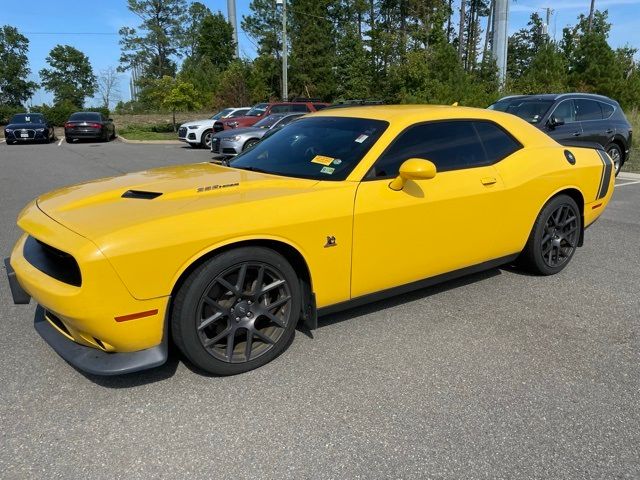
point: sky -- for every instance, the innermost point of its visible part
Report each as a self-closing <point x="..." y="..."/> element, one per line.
<point x="60" y="22"/>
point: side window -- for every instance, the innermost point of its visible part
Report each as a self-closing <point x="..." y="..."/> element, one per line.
<point x="280" y="109"/>
<point x="498" y="144"/>
<point x="588" y="110"/>
<point x="286" y="120"/>
<point x="607" y="110"/>
<point x="566" y="111"/>
<point x="299" y="108"/>
<point x="450" y="145"/>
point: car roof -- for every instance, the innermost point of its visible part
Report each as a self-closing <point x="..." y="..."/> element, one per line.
<point x="558" y="96"/>
<point x="410" y="112"/>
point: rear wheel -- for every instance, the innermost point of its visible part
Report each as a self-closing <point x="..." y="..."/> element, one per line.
<point x="554" y="237"/>
<point x="615" y="152"/>
<point x="237" y="311"/>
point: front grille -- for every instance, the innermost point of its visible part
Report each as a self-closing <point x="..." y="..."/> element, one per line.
<point x="53" y="262"/>
<point x="229" y="151"/>
<point x="182" y="132"/>
<point x="191" y="136"/>
<point x="218" y="127"/>
<point x="28" y="131"/>
<point x="215" y="145"/>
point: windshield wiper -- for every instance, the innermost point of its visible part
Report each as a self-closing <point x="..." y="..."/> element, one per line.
<point x="254" y="169"/>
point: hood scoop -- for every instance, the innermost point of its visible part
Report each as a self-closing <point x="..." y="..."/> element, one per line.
<point x="141" y="194"/>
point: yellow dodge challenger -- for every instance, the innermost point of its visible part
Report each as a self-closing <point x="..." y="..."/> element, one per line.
<point x="342" y="207"/>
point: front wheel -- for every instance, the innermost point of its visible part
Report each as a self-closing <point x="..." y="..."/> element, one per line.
<point x="206" y="139"/>
<point x="615" y="152"/>
<point x="554" y="237"/>
<point x="237" y="311"/>
<point x="250" y="143"/>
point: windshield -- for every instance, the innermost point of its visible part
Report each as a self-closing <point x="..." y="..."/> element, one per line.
<point x="257" y="110"/>
<point x="529" y="109"/>
<point x="268" y="121"/>
<point x="80" y="116"/>
<point x="222" y="114"/>
<point x="27" y="118"/>
<point x="321" y="148"/>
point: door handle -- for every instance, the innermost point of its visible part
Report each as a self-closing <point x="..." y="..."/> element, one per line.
<point x="488" y="180"/>
<point x="577" y="134"/>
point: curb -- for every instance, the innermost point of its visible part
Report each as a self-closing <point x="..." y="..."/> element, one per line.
<point x="149" y="142"/>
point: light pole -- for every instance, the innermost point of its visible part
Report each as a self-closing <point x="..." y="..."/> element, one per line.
<point x="231" y="11"/>
<point x="500" y="33"/>
<point x="285" y="80"/>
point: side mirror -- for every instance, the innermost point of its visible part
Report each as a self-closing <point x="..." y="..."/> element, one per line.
<point x="413" y="169"/>
<point x="555" y="121"/>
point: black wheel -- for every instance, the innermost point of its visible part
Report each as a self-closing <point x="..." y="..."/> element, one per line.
<point x="68" y="139"/>
<point x="237" y="311"/>
<point x="206" y="139"/>
<point x="615" y="152"/>
<point x="250" y="143"/>
<point x="113" y="134"/>
<point x="554" y="237"/>
<point x="9" y="142"/>
<point x="105" y="135"/>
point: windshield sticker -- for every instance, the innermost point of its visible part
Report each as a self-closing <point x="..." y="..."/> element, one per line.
<point x="322" y="160"/>
<point x="327" y="170"/>
<point x="27" y="119"/>
<point x="337" y="161"/>
<point x="362" y="138"/>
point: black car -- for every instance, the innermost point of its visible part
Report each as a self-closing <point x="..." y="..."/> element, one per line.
<point x="89" y="125"/>
<point x="28" y="127"/>
<point x="573" y="118"/>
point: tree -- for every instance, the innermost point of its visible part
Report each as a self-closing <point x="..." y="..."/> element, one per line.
<point x="108" y="87"/>
<point x="352" y="65"/>
<point x="70" y="77"/>
<point x="191" y="31"/>
<point x="215" y="40"/>
<point x="158" y="38"/>
<point x="15" y="88"/>
<point x="524" y="45"/>
<point x="170" y="94"/>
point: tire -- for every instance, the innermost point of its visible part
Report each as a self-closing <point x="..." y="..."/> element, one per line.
<point x="225" y="329"/>
<point x="113" y="134"/>
<point x="205" y="139"/>
<point x="105" y="136"/>
<point x="68" y="139"/>
<point x="615" y="152"/>
<point x="249" y="143"/>
<point x="554" y="237"/>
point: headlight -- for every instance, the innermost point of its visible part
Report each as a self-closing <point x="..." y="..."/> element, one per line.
<point x="235" y="138"/>
<point x="233" y="124"/>
<point x="39" y="129"/>
<point x="8" y="130"/>
<point x="193" y="127"/>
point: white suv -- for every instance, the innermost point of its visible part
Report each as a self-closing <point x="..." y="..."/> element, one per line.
<point x="199" y="132"/>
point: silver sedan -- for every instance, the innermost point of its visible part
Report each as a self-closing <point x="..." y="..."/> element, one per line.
<point x="230" y="143"/>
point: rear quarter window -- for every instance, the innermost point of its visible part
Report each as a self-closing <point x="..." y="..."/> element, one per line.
<point x="498" y="144"/>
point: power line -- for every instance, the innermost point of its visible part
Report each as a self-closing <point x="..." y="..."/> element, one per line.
<point x="71" y="33"/>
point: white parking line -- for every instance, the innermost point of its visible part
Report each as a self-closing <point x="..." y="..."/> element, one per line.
<point x="60" y="142"/>
<point x="626" y="183"/>
<point x="2" y="141"/>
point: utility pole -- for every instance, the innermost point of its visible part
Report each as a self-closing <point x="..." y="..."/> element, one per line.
<point x="500" y="33"/>
<point x="231" y="11"/>
<point x="593" y="6"/>
<point x="285" y="80"/>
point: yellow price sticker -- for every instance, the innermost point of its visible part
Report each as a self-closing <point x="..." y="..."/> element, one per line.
<point x="322" y="160"/>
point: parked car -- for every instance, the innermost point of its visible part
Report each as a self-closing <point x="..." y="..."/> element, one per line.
<point x="337" y="209"/>
<point x="575" y="118"/>
<point x="261" y="110"/>
<point x="28" y="127"/>
<point x="89" y="125"/>
<point x="229" y="143"/>
<point x="198" y="133"/>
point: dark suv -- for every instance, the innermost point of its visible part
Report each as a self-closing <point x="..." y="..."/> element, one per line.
<point x="572" y="118"/>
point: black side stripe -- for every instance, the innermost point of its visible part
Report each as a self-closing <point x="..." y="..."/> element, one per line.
<point x="606" y="174"/>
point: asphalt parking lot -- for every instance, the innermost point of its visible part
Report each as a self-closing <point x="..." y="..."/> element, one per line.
<point x="496" y="375"/>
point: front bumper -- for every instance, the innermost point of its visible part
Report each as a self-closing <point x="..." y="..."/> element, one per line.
<point x="225" y="147"/>
<point x="32" y="135"/>
<point x="94" y="361"/>
<point x="91" y="317"/>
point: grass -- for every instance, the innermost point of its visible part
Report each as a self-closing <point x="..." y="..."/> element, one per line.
<point x="135" y="134"/>
<point x="633" y="162"/>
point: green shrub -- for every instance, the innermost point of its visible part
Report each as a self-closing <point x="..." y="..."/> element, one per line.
<point x="7" y="111"/>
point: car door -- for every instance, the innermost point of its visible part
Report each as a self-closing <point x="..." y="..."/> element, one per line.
<point x="567" y="128"/>
<point x="431" y="226"/>
<point x="594" y="127"/>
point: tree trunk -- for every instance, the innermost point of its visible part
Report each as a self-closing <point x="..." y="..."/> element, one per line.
<point x="489" y="31"/>
<point x="593" y="5"/>
<point x="450" y="14"/>
<point x="461" y="31"/>
<point x="173" y="113"/>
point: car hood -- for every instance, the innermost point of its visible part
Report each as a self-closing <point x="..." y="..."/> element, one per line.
<point x="18" y="126"/>
<point x="241" y="131"/>
<point x="98" y="208"/>
<point x="203" y="122"/>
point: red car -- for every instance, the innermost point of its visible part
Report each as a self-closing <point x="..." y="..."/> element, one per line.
<point x="261" y="110"/>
